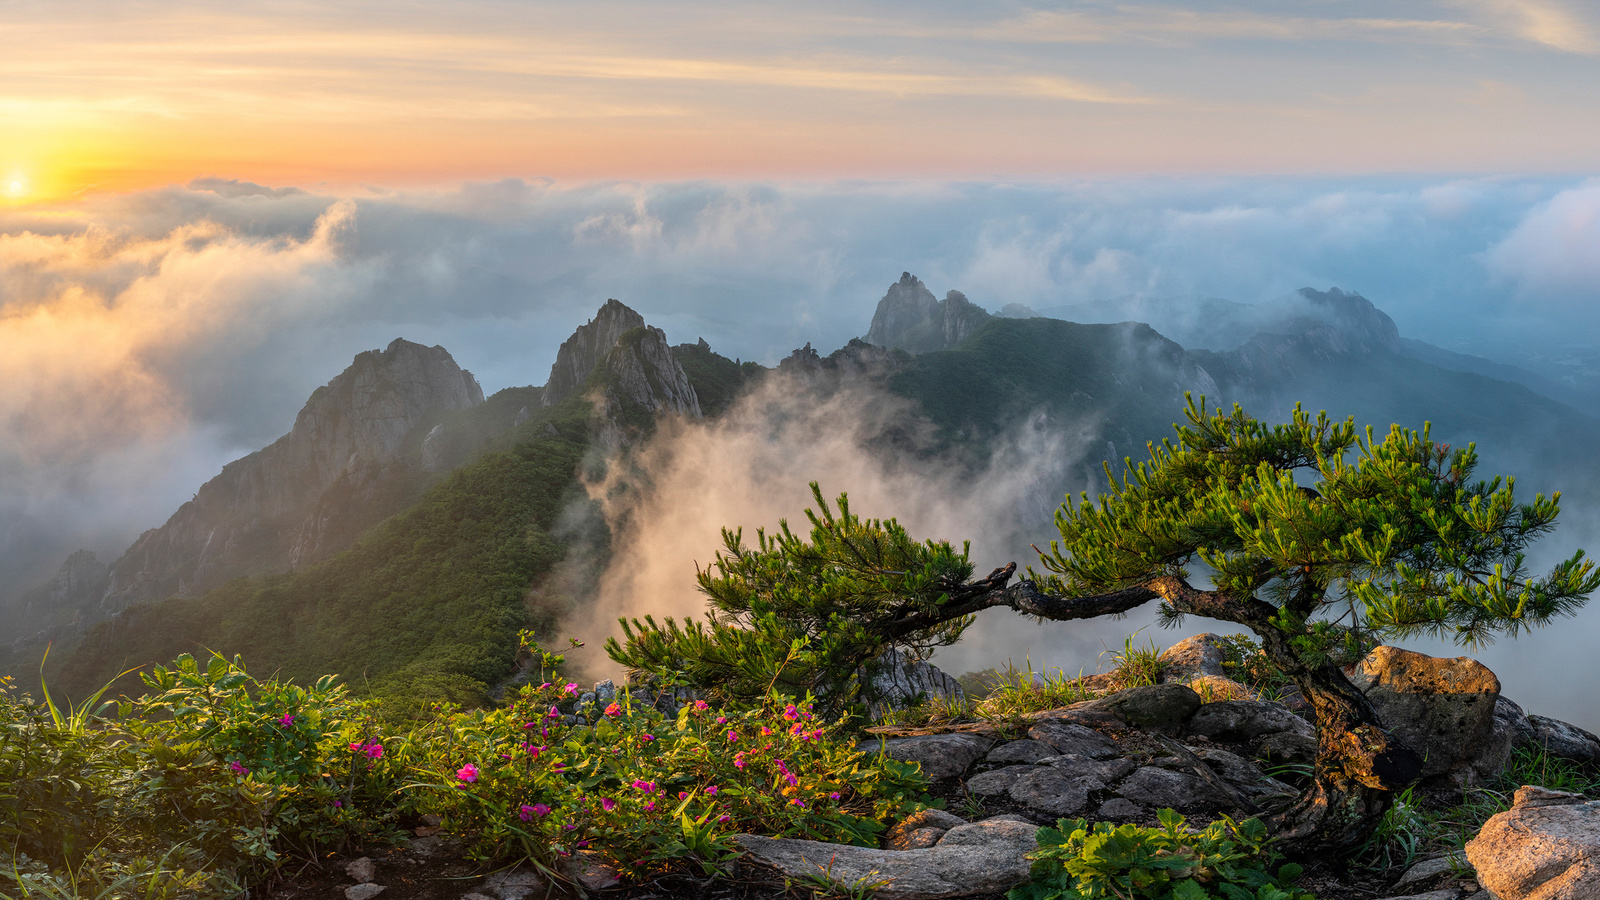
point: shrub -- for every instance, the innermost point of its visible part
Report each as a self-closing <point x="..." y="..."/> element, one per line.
<point x="1077" y="861"/>
<point x="649" y="792"/>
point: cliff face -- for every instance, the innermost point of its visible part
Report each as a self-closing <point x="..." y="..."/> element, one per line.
<point x="587" y="348"/>
<point x="265" y="512"/>
<point x="909" y="318"/>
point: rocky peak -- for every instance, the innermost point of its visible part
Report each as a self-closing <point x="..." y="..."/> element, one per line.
<point x="582" y="353"/>
<point x="910" y="318"/>
<point x="351" y="431"/>
<point x="644" y="371"/>
<point x="1344" y="322"/>
<point x="364" y="413"/>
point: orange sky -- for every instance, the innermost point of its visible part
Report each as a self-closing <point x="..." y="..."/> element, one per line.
<point x="117" y="96"/>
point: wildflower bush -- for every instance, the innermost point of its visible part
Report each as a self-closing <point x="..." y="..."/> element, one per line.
<point x="1229" y="860"/>
<point x="645" y="791"/>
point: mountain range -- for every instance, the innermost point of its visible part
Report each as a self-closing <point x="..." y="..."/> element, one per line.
<point x="406" y="527"/>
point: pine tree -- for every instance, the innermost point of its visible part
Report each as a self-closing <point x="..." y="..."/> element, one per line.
<point x="1315" y="537"/>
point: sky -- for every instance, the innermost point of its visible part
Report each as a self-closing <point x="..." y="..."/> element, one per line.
<point x="103" y="96"/>
<point x="206" y="212"/>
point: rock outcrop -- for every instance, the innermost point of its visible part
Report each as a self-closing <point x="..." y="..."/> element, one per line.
<point x="909" y="318"/>
<point x="1546" y="847"/>
<point x="1443" y="709"/>
<point x="582" y="353"/>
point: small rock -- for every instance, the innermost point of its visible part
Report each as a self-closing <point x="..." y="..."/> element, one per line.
<point x="1067" y="738"/>
<point x="920" y="839"/>
<point x="923" y="820"/>
<point x="363" y="891"/>
<point x="1026" y="750"/>
<point x="1565" y="740"/>
<point x="1431" y="868"/>
<point x="1245" y="720"/>
<point x="1241" y="773"/>
<point x="999" y="781"/>
<point x="1120" y="808"/>
<point x="1160" y="788"/>
<point x="362" y="870"/>
<point x="1157" y="707"/>
<point x="989" y="831"/>
<point x="1531" y="795"/>
<point x="1106" y="770"/>
<point x="592" y="872"/>
<point x="1288" y="746"/>
<point x="1051" y="791"/>
<point x="1191" y="657"/>
<point x="1213" y="688"/>
<point x="476" y="896"/>
<point x="432" y="820"/>
<point x="515" y="883"/>
<point x="1078" y="714"/>
<point x="940" y="755"/>
<point x="426" y="846"/>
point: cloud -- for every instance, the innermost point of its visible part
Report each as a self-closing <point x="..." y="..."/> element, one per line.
<point x="1554" y="252"/>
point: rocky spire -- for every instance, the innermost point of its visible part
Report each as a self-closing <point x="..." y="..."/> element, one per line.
<point x="587" y="348"/>
<point x="909" y="318"/>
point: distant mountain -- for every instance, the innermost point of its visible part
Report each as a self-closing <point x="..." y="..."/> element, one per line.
<point x="373" y="446"/>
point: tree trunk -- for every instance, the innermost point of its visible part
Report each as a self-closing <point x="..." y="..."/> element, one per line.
<point x="1359" y="764"/>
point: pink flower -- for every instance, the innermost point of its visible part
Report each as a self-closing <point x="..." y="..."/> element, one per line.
<point x="527" y="725"/>
<point x="375" y="750"/>
<point x="790" y="713"/>
<point x="738" y="760"/>
<point x="553" y="713"/>
<point x="798" y="802"/>
<point x="613" y="710"/>
<point x="733" y="736"/>
<point x="722" y="720"/>
<point x="711" y="790"/>
<point x="765" y="731"/>
<point x="286" y="721"/>
<point x="789" y="777"/>
<point x="701" y="705"/>
<point x="571" y="688"/>
<point x="607" y="804"/>
<point x="649" y="806"/>
<point x="541" y="810"/>
<point x="545" y="685"/>
<point x="338" y="804"/>
<point x="683" y="795"/>
<point x="834" y="795"/>
<point x="724" y="819"/>
<point x="467" y="773"/>
<point x="526" y="814"/>
<point x="356" y="747"/>
<point x="238" y="769"/>
<point x="647" y="737"/>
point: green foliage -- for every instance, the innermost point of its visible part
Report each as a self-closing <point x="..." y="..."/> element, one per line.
<point x="423" y="608"/>
<point x="1023" y="691"/>
<point x="717" y="380"/>
<point x="1136" y="666"/>
<point x="650" y="792"/>
<point x="1244" y="661"/>
<point x="1077" y="861"/>
<point x="797" y="613"/>
<point x="1398" y="540"/>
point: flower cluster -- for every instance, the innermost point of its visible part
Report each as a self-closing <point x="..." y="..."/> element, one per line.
<point x="648" y="791"/>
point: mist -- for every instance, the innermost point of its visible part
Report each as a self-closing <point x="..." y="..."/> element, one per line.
<point x="666" y="502"/>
